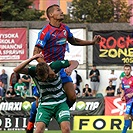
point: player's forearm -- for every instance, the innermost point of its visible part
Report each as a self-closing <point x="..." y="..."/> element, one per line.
<point x="78" y="42"/>
<point x="73" y="64"/>
<point x="38" y="51"/>
<point x="22" y="65"/>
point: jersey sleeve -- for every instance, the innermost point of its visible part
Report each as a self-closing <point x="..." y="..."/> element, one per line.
<point x="58" y="65"/>
<point x="43" y="37"/>
<point x="122" y="85"/>
<point x="70" y="35"/>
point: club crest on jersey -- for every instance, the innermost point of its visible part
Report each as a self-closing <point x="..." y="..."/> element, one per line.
<point x="64" y="32"/>
<point x="130" y="82"/>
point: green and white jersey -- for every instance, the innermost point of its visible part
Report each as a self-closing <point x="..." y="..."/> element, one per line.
<point x="51" y="90"/>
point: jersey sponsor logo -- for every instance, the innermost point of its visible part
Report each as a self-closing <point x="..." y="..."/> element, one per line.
<point x="126" y="86"/>
<point x="64" y="113"/>
<point x="61" y="41"/>
<point x="51" y="89"/>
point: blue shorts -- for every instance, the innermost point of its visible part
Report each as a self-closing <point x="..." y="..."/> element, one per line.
<point x="33" y="112"/>
<point x="129" y="108"/>
<point x="64" y="77"/>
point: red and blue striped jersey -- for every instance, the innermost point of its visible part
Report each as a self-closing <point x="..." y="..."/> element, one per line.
<point x="127" y="86"/>
<point x="53" y="42"/>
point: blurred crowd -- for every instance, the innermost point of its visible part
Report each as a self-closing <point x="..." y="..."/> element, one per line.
<point x="18" y="86"/>
<point x="22" y="86"/>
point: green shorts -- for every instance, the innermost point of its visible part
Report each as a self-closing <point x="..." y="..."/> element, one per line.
<point x="59" y="111"/>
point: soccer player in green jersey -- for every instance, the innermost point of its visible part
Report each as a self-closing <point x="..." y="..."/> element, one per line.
<point x="52" y="101"/>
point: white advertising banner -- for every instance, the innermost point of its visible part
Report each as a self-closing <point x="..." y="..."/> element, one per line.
<point x="75" y="52"/>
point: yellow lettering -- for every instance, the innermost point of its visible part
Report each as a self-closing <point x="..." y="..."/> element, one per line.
<point x="104" y="52"/>
<point x="112" y="53"/>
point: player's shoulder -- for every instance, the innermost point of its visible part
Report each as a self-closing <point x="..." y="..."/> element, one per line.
<point x="131" y="77"/>
<point x="64" y="25"/>
<point x="45" y="28"/>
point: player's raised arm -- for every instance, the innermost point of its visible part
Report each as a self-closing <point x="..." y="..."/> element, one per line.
<point x="38" y="50"/>
<point x="73" y="65"/>
<point x="21" y="68"/>
<point x="79" y="42"/>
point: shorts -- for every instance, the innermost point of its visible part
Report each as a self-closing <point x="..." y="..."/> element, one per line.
<point x="59" y="111"/>
<point x="64" y="77"/>
<point x="129" y="108"/>
<point x="94" y="85"/>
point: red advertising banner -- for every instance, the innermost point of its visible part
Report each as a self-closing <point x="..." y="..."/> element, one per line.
<point x="114" y="106"/>
<point x="13" y="44"/>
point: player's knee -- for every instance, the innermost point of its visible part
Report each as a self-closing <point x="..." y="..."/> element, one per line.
<point x="66" y="129"/>
<point x="40" y="126"/>
<point x="38" y="130"/>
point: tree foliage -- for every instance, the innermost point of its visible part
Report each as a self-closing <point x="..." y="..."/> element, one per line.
<point x="18" y="10"/>
<point x="99" y="11"/>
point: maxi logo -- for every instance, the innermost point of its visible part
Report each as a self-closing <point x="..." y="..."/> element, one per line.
<point x="120" y="107"/>
<point x="10" y="106"/>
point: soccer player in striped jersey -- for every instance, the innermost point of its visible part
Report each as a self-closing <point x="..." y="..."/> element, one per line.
<point x="127" y="95"/>
<point x="52" y="100"/>
<point x="52" y="42"/>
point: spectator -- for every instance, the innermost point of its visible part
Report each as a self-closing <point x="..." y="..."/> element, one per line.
<point x="122" y="75"/>
<point x="14" y="79"/>
<point x="86" y="91"/>
<point x="1" y="91"/>
<point x="112" y="77"/>
<point x="119" y="90"/>
<point x="19" y="87"/>
<point x="27" y="80"/>
<point x="4" y="79"/>
<point x="25" y="92"/>
<point x="10" y="92"/>
<point x="95" y="80"/>
<point x="77" y="90"/>
<point x="74" y="79"/>
<point x="78" y="79"/>
<point x="110" y="89"/>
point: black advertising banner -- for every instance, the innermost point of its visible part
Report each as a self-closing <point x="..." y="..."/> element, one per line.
<point x="20" y="123"/>
<point x="21" y="107"/>
<point x="116" y="47"/>
<point x="88" y="106"/>
<point x="16" y="106"/>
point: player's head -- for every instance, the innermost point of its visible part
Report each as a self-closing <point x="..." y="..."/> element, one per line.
<point x="55" y="12"/>
<point x="127" y="69"/>
<point x="42" y="71"/>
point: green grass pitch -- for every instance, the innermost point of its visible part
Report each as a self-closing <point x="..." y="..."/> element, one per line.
<point x="56" y="131"/>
